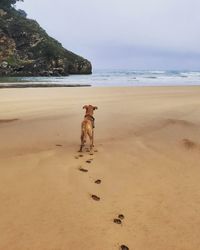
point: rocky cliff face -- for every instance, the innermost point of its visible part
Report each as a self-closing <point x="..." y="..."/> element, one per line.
<point x="27" y="50"/>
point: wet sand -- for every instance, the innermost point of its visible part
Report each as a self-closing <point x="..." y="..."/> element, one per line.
<point x="139" y="187"/>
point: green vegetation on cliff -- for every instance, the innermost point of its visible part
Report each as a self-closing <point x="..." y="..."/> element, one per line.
<point x="7" y="4"/>
<point x="27" y="50"/>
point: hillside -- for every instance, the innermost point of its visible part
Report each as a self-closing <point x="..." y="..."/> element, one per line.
<point x="27" y="50"/>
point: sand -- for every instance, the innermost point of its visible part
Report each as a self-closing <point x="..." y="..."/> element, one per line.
<point x="147" y="143"/>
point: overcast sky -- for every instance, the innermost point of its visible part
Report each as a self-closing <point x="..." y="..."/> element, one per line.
<point x="133" y="34"/>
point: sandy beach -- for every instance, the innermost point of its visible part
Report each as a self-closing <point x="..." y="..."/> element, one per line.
<point x="147" y="153"/>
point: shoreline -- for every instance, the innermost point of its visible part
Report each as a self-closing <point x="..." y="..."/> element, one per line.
<point x="54" y="85"/>
<point x="39" y="85"/>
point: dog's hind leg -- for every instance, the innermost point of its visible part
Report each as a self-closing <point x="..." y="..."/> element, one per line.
<point x="82" y="142"/>
<point x="91" y="140"/>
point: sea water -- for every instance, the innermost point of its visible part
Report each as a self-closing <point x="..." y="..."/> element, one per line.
<point x="116" y="78"/>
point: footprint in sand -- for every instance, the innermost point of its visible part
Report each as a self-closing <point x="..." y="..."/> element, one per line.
<point x="124" y="247"/>
<point x="189" y="144"/>
<point x="83" y="169"/>
<point x="89" y="161"/>
<point x="98" y="181"/>
<point x="78" y="156"/>
<point x="121" y="216"/>
<point x="59" y="145"/>
<point x="117" y="221"/>
<point x="8" y="120"/>
<point x="95" y="197"/>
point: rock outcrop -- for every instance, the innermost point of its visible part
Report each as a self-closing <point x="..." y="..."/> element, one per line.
<point x="27" y="50"/>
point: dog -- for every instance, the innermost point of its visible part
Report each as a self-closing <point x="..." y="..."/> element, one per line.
<point x="87" y="126"/>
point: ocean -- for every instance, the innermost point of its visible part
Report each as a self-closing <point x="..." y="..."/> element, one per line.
<point x="111" y="78"/>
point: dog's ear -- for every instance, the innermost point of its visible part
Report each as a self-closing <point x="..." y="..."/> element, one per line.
<point x="95" y="107"/>
<point x="85" y="106"/>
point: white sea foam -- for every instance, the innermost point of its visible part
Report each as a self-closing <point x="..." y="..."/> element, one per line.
<point x="120" y="78"/>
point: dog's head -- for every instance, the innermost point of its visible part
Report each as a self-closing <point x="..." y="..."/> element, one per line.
<point x="89" y="107"/>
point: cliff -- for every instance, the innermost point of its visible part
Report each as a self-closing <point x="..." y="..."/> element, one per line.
<point x="27" y="50"/>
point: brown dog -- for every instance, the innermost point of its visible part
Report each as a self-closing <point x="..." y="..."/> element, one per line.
<point x="87" y="127"/>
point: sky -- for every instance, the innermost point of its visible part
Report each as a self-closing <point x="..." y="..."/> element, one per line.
<point x="124" y="34"/>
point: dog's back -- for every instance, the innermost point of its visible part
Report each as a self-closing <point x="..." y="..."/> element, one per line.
<point x="87" y="128"/>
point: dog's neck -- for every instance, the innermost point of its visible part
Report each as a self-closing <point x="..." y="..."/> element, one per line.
<point x="89" y="117"/>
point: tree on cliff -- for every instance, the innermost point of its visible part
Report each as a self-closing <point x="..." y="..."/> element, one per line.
<point x="7" y="4"/>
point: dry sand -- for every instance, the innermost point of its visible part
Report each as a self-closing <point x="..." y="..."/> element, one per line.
<point x="148" y="142"/>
